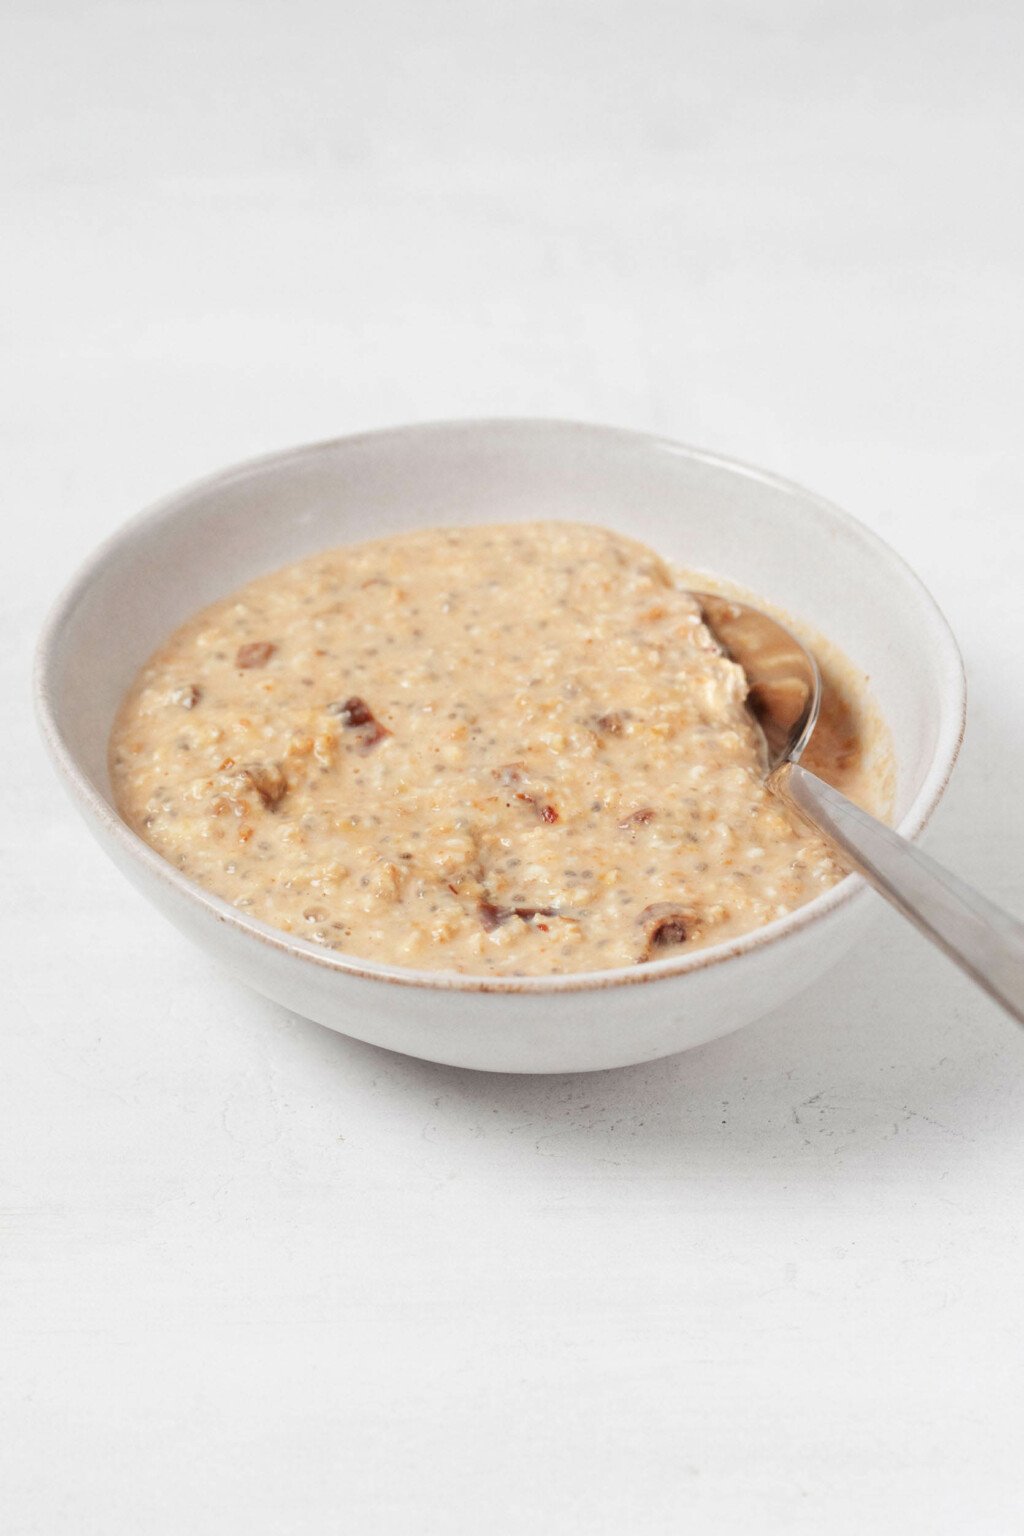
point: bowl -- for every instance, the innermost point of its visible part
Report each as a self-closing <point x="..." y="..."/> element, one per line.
<point x="696" y="509"/>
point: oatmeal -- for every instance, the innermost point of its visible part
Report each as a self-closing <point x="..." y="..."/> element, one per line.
<point x="507" y="750"/>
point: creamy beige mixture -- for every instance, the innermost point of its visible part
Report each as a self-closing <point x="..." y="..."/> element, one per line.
<point x="510" y="750"/>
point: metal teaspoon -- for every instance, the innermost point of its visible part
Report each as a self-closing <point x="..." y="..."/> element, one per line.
<point x="784" y="698"/>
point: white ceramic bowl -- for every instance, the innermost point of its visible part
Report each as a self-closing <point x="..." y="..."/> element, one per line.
<point x="694" y="508"/>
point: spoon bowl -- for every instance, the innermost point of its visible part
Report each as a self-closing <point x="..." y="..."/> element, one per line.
<point x="783" y="677"/>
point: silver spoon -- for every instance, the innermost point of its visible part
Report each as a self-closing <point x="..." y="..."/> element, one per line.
<point x="785" y="697"/>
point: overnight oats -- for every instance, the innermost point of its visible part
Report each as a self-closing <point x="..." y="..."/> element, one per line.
<point x="510" y="750"/>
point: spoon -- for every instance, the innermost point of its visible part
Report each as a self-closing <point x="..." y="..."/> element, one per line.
<point x="784" y="697"/>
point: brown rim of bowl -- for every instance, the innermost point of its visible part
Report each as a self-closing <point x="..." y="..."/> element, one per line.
<point x="950" y="734"/>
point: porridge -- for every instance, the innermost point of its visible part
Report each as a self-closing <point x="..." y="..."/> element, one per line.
<point x="510" y="750"/>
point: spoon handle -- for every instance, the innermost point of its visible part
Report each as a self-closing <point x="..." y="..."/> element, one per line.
<point x="985" y="941"/>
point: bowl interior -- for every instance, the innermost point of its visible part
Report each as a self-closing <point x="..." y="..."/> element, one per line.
<point x="696" y="510"/>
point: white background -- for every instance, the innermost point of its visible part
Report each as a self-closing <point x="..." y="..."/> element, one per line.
<point x="260" y="1279"/>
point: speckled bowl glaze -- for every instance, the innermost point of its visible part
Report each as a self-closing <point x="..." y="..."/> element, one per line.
<point x="694" y="508"/>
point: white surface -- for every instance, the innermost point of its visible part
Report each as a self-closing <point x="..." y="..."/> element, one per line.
<point x="259" y="1279"/>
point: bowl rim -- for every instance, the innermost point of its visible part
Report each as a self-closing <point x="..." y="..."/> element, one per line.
<point x="952" y="703"/>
